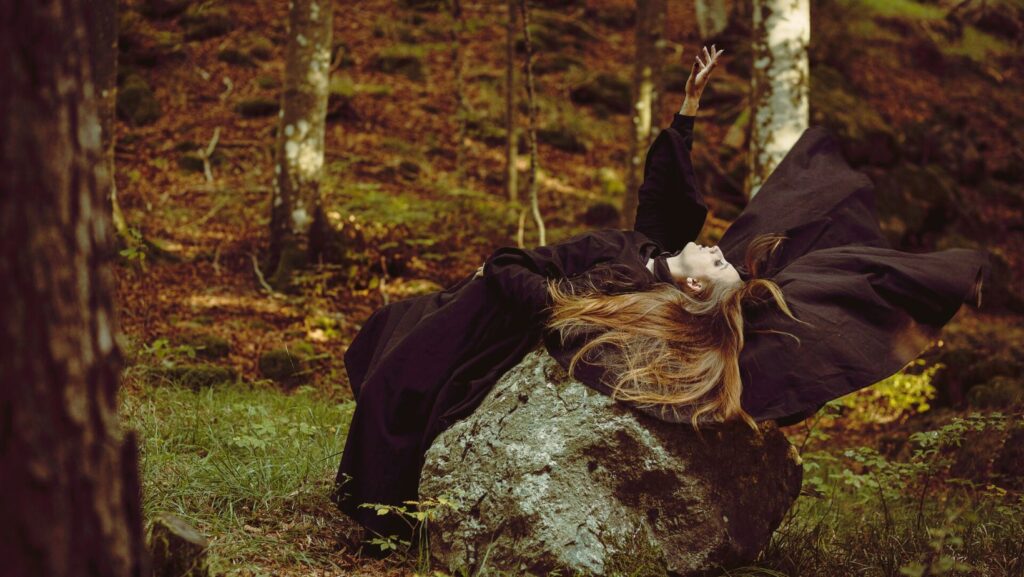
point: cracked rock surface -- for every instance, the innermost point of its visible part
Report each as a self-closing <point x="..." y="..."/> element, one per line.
<point x="549" y="475"/>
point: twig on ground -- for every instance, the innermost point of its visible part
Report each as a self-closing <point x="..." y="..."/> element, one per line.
<point x="216" y="259"/>
<point x="259" y="277"/>
<point x="206" y="154"/>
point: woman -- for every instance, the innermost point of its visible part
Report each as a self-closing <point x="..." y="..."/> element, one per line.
<point x="647" y="315"/>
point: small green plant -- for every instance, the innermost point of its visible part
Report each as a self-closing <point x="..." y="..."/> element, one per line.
<point x="417" y="516"/>
<point x="907" y="392"/>
<point x="164" y="354"/>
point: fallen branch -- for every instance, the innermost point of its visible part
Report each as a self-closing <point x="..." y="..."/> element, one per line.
<point x="206" y="154"/>
<point x="259" y="277"/>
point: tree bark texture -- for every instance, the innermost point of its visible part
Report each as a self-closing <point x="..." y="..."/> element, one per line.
<point x="511" y="150"/>
<point x="461" y="108"/>
<point x="531" y="94"/>
<point x="69" y="483"/>
<point x="780" y="84"/>
<point x="297" y="224"/>
<point x="103" y="52"/>
<point x="650" y="30"/>
<point x="712" y="17"/>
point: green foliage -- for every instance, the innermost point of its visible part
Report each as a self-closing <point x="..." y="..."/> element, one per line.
<point x="901" y="394"/>
<point x="246" y="464"/>
<point x="417" y="516"/>
<point x="862" y="511"/>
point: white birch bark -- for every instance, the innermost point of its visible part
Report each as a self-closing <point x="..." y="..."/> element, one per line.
<point x="712" y="17"/>
<point x="780" y="84"/>
<point x="297" y="209"/>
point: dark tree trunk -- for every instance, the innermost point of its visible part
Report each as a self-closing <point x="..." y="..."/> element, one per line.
<point x="298" y="227"/>
<point x="103" y="54"/>
<point x="69" y="485"/>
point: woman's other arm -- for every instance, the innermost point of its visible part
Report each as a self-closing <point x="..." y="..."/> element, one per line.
<point x="671" y="209"/>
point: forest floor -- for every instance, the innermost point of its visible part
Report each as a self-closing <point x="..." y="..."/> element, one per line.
<point x="250" y="459"/>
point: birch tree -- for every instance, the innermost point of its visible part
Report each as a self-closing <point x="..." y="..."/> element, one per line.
<point x="780" y="84"/>
<point x="298" y="227"/>
<point x="511" y="145"/>
<point x="650" y="29"/>
<point x="712" y="17"/>
<point x="69" y="481"/>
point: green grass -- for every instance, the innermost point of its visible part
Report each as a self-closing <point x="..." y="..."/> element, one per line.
<point x="248" y="465"/>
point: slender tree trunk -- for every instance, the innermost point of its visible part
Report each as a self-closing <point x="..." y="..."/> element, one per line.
<point x="780" y="84"/>
<point x="69" y="483"/>
<point x="461" y="109"/>
<point x="712" y="17"/>
<point x="650" y="28"/>
<point x="298" y="227"/>
<point x="531" y="95"/>
<point x="104" y="58"/>
<point x="511" y="151"/>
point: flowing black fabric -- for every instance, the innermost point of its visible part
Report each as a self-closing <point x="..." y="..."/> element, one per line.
<point x="421" y="364"/>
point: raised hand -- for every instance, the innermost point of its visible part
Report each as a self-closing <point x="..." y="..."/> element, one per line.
<point x="700" y="73"/>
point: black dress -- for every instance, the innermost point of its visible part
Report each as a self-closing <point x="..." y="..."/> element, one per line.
<point x="420" y="364"/>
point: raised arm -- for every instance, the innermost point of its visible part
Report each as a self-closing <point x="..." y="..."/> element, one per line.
<point x="671" y="209"/>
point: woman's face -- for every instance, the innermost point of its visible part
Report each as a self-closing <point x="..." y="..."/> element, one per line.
<point x="702" y="263"/>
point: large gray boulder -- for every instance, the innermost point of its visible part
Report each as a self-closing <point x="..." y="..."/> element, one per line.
<point x="549" y="474"/>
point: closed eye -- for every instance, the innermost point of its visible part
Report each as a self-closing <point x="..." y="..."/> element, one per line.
<point x="719" y="263"/>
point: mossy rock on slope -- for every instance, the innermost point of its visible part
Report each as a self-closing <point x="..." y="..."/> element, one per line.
<point x="141" y="44"/>
<point x="136" y="103"/>
<point x="231" y="55"/>
<point x="163" y="8"/>
<point x="620" y="16"/>
<point x="403" y="62"/>
<point x="284" y="366"/>
<point x="194" y="377"/>
<point x="202" y="23"/>
<point x="422" y="5"/>
<point x="562" y="138"/>
<point x="606" y="89"/>
<point x="916" y="204"/>
<point x="555" y="62"/>
<point x="257" y="107"/>
<point x="865" y="137"/>
<point x="486" y="130"/>
<point x="206" y="345"/>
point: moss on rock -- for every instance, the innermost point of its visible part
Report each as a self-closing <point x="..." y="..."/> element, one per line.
<point x="606" y="89"/>
<point x="136" y="103"/>
<point x="283" y="366"/>
<point x="257" y="107"/>
<point x="203" y="21"/>
<point x="194" y="377"/>
<point x="401" y="60"/>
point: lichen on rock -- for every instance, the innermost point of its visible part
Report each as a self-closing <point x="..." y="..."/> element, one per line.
<point x="548" y="474"/>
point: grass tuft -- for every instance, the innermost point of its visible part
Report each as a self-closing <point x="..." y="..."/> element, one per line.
<point x="249" y="466"/>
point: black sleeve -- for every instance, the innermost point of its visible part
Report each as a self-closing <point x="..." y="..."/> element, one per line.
<point x="670" y="208"/>
<point x="520" y="275"/>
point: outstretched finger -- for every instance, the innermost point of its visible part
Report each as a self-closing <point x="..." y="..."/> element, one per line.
<point x="707" y="56"/>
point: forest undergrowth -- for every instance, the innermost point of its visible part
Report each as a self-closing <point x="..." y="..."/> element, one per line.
<point x="239" y="394"/>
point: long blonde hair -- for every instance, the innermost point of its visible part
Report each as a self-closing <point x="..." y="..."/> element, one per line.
<point x="670" y="346"/>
